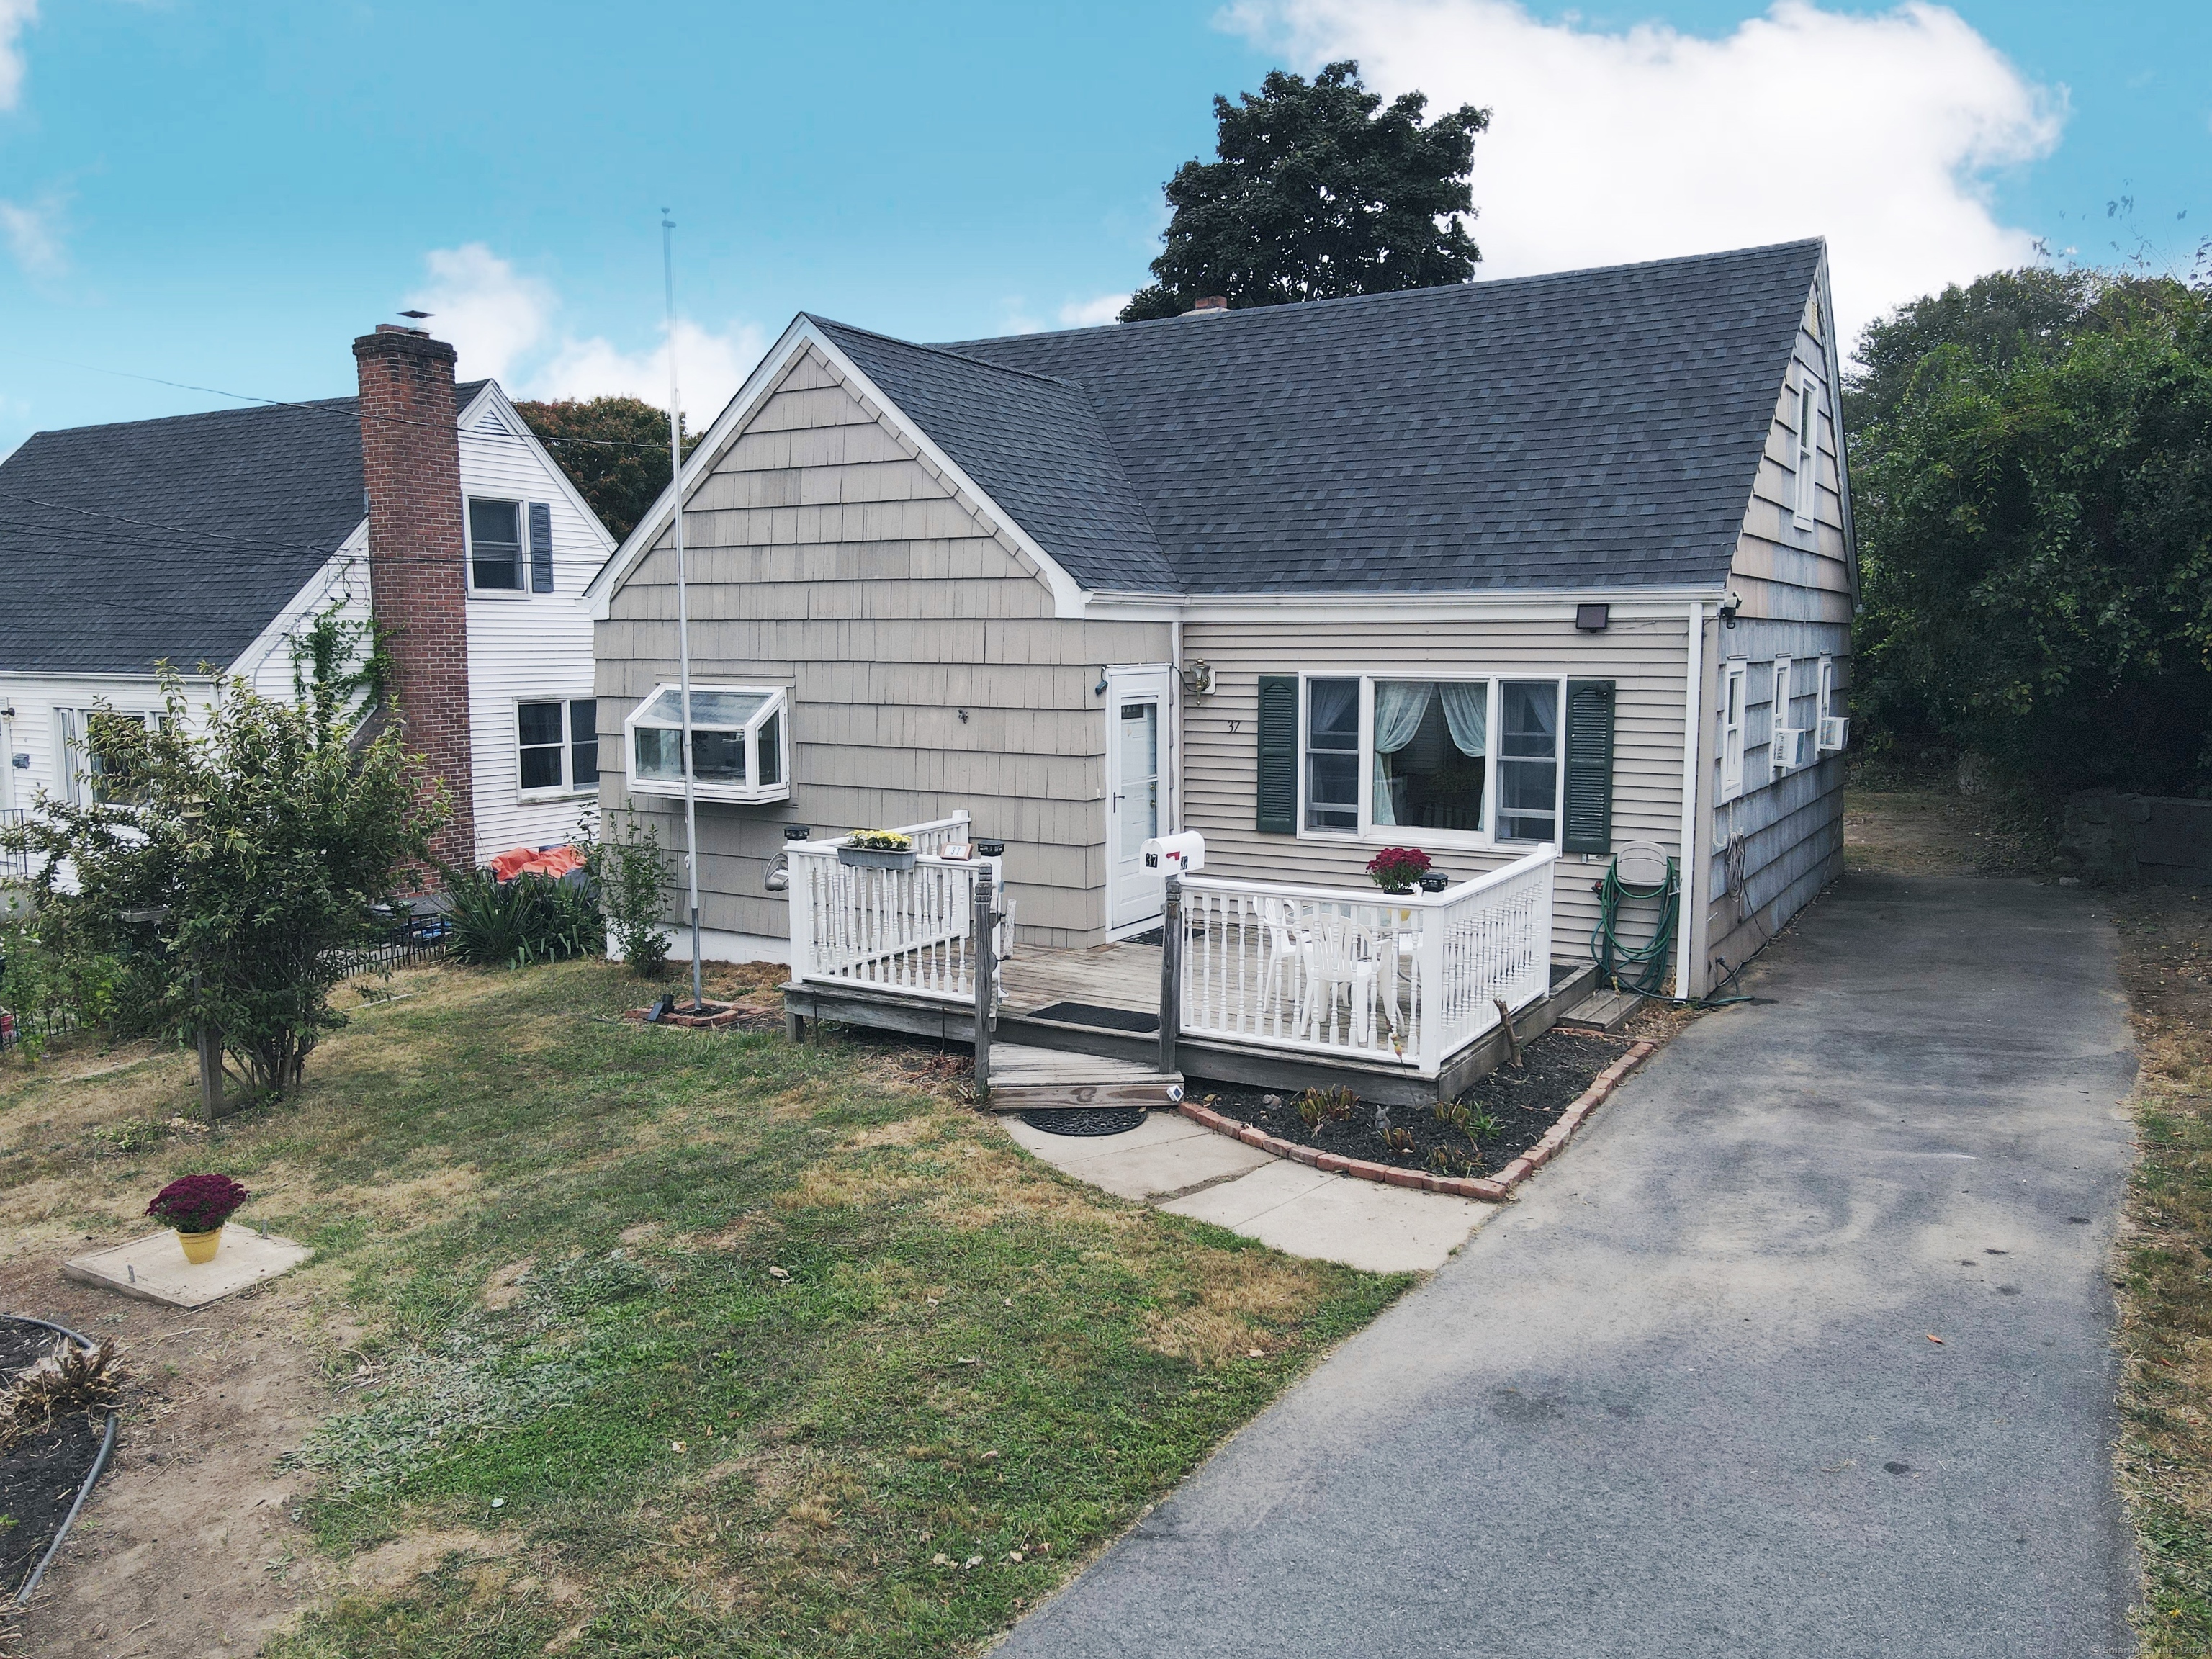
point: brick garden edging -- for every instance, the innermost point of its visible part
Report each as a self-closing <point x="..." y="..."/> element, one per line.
<point x="1494" y="1189"/>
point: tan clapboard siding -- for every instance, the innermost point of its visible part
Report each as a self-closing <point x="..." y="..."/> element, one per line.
<point x="824" y="553"/>
<point x="1644" y="660"/>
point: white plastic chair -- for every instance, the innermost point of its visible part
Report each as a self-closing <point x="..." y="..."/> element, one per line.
<point x="1340" y="955"/>
<point x="1285" y="959"/>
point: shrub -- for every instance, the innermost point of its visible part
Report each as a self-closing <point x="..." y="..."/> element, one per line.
<point x="533" y="918"/>
<point x="632" y="875"/>
<point x="51" y="989"/>
<point x="197" y="1203"/>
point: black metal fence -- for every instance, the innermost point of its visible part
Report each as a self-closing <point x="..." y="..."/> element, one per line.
<point x="419" y="937"/>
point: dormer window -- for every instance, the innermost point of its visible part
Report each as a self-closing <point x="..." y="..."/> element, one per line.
<point x="740" y="743"/>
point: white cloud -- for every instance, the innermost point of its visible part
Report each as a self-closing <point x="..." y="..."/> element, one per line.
<point x="502" y="323"/>
<point x="34" y="234"/>
<point x="15" y="16"/>
<point x="493" y="314"/>
<point x="711" y="367"/>
<point x="1879" y="132"/>
<point x="1090" y="313"/>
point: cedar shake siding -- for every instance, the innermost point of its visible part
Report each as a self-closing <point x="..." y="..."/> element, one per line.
<point x="827" y="555"/>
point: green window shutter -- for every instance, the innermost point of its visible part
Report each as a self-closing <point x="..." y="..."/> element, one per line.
<point x="1278" y="755"/>
<point x="1590" y="767"/>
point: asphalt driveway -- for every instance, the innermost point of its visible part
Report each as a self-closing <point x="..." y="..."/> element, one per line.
<point x="1682" y="1399"/>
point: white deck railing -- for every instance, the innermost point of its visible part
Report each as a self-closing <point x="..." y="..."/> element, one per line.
<point x="1408" y="979"/>
<point x="905" y="931"/>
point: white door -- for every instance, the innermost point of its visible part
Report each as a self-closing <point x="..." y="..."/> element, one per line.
<point x="1139" y="777"/>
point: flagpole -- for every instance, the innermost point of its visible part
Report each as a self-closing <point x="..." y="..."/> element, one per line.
<point x="682" y="603"/>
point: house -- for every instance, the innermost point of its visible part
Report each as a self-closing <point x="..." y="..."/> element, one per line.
<point x="1560" y="563"/>
<point x="210" y="541"/>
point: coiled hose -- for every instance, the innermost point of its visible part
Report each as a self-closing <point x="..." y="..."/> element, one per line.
<point x="1638" y="968"/>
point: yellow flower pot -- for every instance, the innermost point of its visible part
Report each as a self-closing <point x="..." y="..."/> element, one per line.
<point x="200" y="1248"/>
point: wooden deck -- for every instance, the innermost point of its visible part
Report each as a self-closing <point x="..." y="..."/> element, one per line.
<point x="1125" y="979"/>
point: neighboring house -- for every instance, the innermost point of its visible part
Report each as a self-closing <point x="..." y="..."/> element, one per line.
<point x="1561" y="559"/>
<point x="211" y="542"/>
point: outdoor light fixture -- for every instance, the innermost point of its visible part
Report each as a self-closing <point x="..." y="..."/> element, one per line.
<point x="1099" y="690"/>
<point x="1198" y="678"/>
<point x="1592" y="619"/>
<point x="1436" y="881"/>
<point x="991" y="849"/>
<point x="1729" y="606"/>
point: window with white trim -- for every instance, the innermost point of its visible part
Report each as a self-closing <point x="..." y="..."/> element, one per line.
<point x="1781" y="736"/>
<point x="1732" y="711"/>
<point x="87" y="780"/>
<point x="740" y="743"/>
<point x="1807" y="501"/>
<point x="557" y="746"/>
<point x="1461" y="761"/>
<point x="510" y="546"/>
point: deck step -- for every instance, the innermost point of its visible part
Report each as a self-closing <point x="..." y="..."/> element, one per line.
<point x="1601" y="1010"/>
<point x="1025" y="1079"/>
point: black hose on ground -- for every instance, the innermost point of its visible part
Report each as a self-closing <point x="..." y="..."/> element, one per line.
<point x="99" y="1463"/>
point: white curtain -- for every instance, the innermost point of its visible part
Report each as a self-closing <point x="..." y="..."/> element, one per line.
<point x="1400" y="708"/>
<point x="1467" y="711"/>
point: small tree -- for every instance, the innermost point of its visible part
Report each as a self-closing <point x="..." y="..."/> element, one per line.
<point x="632" y="876"/>
<point x="1319" y="192"/>
<point x="227" y="869"/>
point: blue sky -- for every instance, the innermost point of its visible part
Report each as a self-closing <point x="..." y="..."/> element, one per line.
<point x="225" y="195"/>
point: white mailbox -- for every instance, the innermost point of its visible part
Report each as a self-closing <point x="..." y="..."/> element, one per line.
<point x="1184" y="855"/>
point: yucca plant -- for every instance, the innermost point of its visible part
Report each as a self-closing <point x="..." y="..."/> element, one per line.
<point x="533" y="918"/>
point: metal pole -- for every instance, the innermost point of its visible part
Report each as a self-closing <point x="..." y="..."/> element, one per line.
<point x="983" y="957"/>
<point x="682" y="602"/>
<point x="1171" y="971"/>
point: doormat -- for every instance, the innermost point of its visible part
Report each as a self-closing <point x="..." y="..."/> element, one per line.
<point x="1152" y="937"/>
<point x="1086" y="1120"/>
<point x="1090" y="1013"/>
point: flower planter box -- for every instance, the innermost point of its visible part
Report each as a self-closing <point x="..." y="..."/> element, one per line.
<point x="876" y="858"/>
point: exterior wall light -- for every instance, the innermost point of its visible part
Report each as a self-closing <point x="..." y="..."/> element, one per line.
<point x="1592" y="619"/>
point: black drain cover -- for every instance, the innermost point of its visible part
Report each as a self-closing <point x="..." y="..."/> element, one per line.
<point x="1086" y="1120"/>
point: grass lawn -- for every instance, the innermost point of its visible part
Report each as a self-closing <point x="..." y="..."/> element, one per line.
<point x="660" y="1343"/>
<point x="2165" y="1302"/>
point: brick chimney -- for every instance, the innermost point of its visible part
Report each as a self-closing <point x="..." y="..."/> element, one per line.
<point x="410" y="463"/>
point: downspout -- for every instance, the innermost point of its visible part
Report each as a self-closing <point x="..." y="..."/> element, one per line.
<point x="1175" y="727"/>
<point x="1693" y="728"/>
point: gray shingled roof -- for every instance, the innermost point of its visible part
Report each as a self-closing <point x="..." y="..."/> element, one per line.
<point x="1596" y="428"/>
<point x="176" y="539"/>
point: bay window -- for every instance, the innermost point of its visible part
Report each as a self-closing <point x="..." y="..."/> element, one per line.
<point x="740" y="743"/>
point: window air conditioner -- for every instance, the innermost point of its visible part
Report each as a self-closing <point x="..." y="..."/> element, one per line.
<point x="1835" y="733"/>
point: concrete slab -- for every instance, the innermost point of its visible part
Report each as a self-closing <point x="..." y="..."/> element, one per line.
<point x="1362" y="1223"/>
<point x="154" y="1269"/>
<point x="1168" y="1153"/>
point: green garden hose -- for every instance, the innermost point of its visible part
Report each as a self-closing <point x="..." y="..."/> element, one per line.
<point x="1638" y="968"/>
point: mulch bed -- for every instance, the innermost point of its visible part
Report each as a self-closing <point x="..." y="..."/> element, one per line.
<point x="40" y="1475"/>
<point x="1524" y="1101"/>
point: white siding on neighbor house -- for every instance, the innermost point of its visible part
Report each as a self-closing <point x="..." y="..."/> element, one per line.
<point x="33" y="730"/>
<point x="927" y="670"/>
<point x="1796" y="586"/>
<point x="267" y="665"/>
<point x="1644" y="660"/>
<point x="524" y="647"/>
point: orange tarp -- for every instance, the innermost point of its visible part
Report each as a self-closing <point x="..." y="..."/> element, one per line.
<point x="555" y="862"/>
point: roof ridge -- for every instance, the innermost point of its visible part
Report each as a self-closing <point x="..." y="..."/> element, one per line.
<point x="957" y="357"/>
<point x="1303" y="306"/>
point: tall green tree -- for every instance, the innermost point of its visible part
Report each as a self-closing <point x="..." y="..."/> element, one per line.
<point x="615" y="451"/>
<point x="2032" y="472"/>
<point x="1319" y="191"/>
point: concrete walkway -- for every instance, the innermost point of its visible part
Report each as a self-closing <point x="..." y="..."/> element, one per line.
<point x="1682" y="1400"/>
<point x="1175" y="1165"/>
